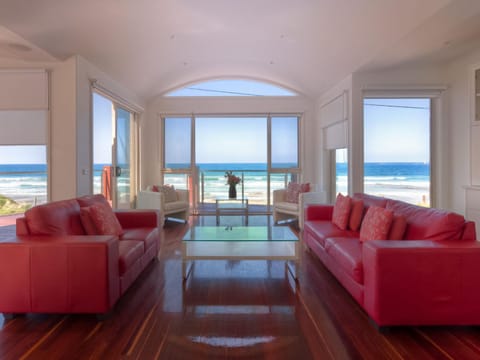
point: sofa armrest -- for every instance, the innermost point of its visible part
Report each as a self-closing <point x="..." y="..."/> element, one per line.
<point x="279" y="195"/>
<point x="135" y="218"/>
<point x="318" y="212"/>
<point x="305" y="199"/>
<point x="59" y="274"/>
<point x="422" y="282"/>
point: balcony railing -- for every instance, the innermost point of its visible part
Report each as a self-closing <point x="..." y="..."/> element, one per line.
<point x="208" y="185"/>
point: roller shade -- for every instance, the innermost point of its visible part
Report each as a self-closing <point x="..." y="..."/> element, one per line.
<point x="23" y="127"/>
<point x="23" y="89"/>
<point x="335" y="136"/>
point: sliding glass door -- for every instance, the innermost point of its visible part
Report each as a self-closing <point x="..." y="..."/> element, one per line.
<point x="114" y="152"/>
<point x="263" y="151"/>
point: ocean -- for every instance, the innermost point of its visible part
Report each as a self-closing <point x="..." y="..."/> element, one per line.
<point x="24" y="183"/>
<point x="410" y="182"/>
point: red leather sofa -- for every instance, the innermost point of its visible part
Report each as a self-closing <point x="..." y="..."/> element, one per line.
<point x="52" y="266"/>
<point x="428" y="278"/>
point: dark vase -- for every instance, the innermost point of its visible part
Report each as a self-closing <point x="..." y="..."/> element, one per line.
<point x="232" y="192"/>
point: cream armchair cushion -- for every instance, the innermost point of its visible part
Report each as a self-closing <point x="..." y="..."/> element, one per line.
<point x="284" y="210"/>
<point x="178" y="207"/>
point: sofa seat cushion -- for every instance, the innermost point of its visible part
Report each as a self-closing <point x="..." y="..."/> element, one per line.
<point x="175" y="206"/>
<point x="55" y="218"/>
<point x="427" y="223"/>
<point x="147" y="235"/>
<point x="323" y="229"/>
<point x="347" y="253"/>
<point x="129" y="251"/>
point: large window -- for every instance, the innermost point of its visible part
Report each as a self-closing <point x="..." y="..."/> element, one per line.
<point x="177" y="153"/>
<point x="262" y="150"/>
<point x="284" y="142"/>
<point x="23" y="159"/>
<point x="23" y="177"/>
<point x="397" y="149"/>
<point x="231" y="87"/>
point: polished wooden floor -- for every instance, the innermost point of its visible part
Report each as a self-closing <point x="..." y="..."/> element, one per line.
<point x="229" y="310"/>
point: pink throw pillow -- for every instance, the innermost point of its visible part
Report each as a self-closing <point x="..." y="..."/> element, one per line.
<point x="294" y="190"/>
<point x="356" y="215"/>
<point x="167" y="190"/>
<point x="104" y="220"/>
<point x="376" y="224"/>
<point x="398" y="227"/>
<point x="341" y="211"/>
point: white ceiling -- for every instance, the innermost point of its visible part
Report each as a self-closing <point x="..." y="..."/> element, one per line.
<point x="151" y="46"/>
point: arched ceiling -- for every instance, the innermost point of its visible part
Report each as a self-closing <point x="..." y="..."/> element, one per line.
<point x="152" y="46"/>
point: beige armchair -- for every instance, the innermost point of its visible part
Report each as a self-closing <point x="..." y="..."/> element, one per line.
<point x="178" y="208"/>
<point x="284" y="210"/>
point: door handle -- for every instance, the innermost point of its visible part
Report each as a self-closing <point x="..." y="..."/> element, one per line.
<point x="118" y="171"/>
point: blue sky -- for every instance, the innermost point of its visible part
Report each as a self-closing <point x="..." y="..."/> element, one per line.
<point x="397" y="130"/>
<point x="32" y="154"/>
<point x="231" y="140"/>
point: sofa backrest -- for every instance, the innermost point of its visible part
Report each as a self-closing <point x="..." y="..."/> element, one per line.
<point x="428" y="223"/>
<point x="369" y="200"/>
<point x="89" y="200"/>
<point x="55" y="218"/>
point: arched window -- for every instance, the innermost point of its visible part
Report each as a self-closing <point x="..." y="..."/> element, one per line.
<point x="231" y="87"/>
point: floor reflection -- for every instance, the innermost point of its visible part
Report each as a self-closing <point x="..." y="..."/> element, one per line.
<point x="235" y="309"/>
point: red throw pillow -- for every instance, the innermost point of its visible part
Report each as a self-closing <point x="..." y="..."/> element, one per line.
<point x="87" y="222"/>
<point x="356" y="215"/>
<point x="104" y="220"/>
<point x="398" y="227"/>
<point x="341" y="211"/>
<point x="376" y="224"/>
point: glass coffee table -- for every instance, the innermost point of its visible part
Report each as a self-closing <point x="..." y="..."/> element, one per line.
<point x="226" y="206"/>
<point x="240" y="243"/>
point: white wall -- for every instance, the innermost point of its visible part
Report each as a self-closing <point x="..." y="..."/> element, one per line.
<point x="327" y="112"/>
<point x="460" y="74"/>
<point x="62" y="141"/>
<point x="231" y="105"/>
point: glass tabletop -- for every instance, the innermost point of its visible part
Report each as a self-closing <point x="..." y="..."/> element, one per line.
<point x="240" y="233"/>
